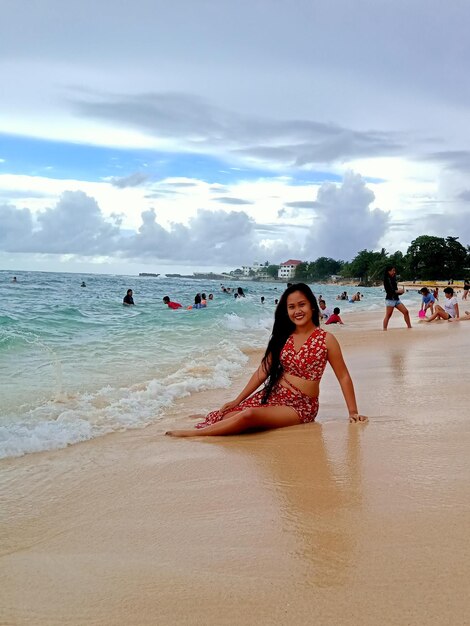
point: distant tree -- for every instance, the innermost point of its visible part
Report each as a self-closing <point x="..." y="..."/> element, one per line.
<point x="456" y="258"/>
<point x="324" y="267"/>
<point x="302" y="272"/>
<point x="273" y="270"/>
<point x="377" y="268"/>
<point x="360" y="267"/>
<point x="427" y="258"/>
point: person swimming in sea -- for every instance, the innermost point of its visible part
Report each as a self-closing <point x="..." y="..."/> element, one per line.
<point x="170" y="304"/>
<point x="128" y="300"/>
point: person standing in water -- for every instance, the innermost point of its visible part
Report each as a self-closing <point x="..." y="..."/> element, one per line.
<point x="392" y="297"/>
<point x="291" y="370"/>
<point x="128" y="300"/>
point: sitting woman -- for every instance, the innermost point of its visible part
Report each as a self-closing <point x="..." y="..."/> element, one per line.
<point x="291" y="370"/>
<point x="450" y="310"/>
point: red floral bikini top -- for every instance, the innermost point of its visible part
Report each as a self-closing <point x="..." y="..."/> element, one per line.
<point x="310" y="361"/>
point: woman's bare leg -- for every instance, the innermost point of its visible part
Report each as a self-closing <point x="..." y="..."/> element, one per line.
<point x="388" y="315"/>
<point x="402" y="308"/>
<point x="264" y="418"/>
<point x="439" y="313"/>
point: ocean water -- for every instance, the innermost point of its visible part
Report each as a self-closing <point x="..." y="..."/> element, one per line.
<point x="76" y="364"/>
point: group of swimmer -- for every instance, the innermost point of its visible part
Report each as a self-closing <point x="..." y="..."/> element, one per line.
<point x="200" y="301"/>
<point x="239" y="293"/>
<point x="357" y="297"/>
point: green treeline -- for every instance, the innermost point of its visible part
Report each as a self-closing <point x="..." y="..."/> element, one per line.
<point x="427" y="258"/>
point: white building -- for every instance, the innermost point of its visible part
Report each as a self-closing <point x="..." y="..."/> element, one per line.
<point x="287" y="269"/>
<point x="258" y="268"/>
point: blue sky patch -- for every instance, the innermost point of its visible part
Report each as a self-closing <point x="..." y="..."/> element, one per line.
<point x="65" y="160"/>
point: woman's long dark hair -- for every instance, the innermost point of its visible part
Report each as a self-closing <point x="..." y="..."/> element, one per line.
<point x="387" y="269"/>
<point x="282" y="329"/>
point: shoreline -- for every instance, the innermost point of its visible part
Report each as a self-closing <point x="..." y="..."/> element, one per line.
<point x="347" y="523"/>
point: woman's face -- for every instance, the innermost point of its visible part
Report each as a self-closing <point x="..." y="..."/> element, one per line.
<point x="299" y="309"/>
<point x="392" y="272"/>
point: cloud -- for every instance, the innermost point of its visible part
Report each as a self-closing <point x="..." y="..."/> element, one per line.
<point x="210" y="236"/>
<point x="74" y="226"/>
<point x="453" y="159"/>
<point x="133" y="180"/>
<point x="302" y="204"/>
<point x="230" y="200"/>
<point x="345" y="222"/>
<point x="181" y="183"/>
<point x="22" y="194"/>
<point x="199" y="125"/>
<point x="16" y="228"/>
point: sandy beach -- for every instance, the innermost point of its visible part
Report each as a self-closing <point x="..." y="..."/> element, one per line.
<point x="326" y="523"/>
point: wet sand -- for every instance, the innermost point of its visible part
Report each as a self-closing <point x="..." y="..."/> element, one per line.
<point x="326" y="523"/>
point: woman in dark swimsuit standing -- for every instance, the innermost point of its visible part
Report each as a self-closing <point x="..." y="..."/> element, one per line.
<point x="392" y="297"/>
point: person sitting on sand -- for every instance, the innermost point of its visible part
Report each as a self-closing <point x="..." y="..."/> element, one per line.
<point x="291" y="370"/>
<point x="128" y="300"/>
<point x="450" y="310"/>
<point x="428" y="300"/>
<point x="335" y="318"/>
<point x="170" y="304"/>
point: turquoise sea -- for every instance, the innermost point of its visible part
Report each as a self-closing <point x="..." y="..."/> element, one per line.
<point x="76" y="364"/>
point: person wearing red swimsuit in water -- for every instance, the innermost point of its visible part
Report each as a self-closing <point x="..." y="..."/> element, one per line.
<point x="291" y="370"/>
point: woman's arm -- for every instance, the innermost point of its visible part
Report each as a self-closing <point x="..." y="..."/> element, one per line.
<point x="335" y="359"/>
<point x="456" y="310"/>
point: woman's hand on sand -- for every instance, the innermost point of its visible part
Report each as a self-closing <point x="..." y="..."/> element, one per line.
<point x="357" y="417"/>
<point x="228" y="405"/>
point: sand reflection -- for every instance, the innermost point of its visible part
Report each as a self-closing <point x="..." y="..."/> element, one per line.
<point x="314" y="472"/>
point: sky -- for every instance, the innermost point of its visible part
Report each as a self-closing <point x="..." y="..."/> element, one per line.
<point x="197" y="135"/>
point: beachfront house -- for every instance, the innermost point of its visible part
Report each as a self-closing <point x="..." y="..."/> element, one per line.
<point x="287" y="269"/>
<point x="257" y="270"/>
